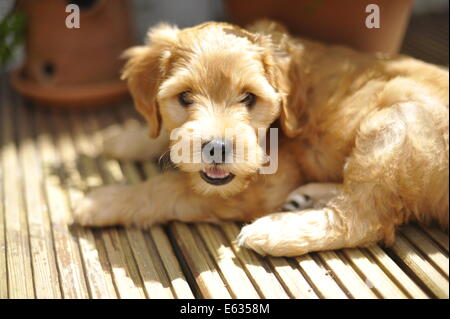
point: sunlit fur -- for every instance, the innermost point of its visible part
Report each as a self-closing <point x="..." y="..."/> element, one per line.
<point x="375" y="126"/>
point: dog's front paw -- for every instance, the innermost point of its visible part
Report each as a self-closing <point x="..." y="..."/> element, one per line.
<point x="273" y="235"/>
<point x="290" y="234"/>
<point x="254" y="237"/>
<point x="101" y="207"/>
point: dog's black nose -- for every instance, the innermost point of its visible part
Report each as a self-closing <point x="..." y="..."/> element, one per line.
<point x="216" y="151"/>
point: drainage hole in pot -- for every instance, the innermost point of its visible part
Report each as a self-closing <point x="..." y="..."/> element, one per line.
<point x="48" y="69"/>
<point x="83" y="4"/>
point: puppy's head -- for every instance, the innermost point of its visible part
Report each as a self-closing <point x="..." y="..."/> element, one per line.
<point x="216" y="88"/>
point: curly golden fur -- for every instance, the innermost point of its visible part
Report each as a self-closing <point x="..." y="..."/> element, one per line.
<point x="364" y="137"/>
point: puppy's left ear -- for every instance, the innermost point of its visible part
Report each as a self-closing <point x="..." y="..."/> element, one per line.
<point x="144" y="70"/>
<point x="292" y="87"/>
<point x="281" y="61"/>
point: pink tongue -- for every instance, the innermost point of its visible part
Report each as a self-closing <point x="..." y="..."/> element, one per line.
<point x="216" y="173"/>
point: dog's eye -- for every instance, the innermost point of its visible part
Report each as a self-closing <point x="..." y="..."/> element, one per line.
<point x="184" y="100"/>
<point x="249" y="100"/>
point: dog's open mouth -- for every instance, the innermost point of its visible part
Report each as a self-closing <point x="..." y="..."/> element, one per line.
<point x="216" y="176"/>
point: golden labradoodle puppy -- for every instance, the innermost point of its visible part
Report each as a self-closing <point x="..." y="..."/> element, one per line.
<point x="362" y="148"/>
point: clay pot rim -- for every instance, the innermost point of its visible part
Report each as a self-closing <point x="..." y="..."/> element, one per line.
<point x="69" y="96"/>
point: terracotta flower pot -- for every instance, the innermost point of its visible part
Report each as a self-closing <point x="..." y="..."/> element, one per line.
<point x="74" y="66"/>
<point x="333" y="21"/>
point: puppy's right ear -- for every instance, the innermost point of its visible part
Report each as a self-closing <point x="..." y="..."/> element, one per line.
<point x="144" y="70"/>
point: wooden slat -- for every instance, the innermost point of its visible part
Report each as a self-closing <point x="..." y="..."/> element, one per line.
<point x="262" y="277"/>
<point x="201" y="265"/>
<point x="232" y="271"/>
<point x="99" y="281"/>
<point x="418" y="264"/>
<point x="160" y="244"/>
<point x="396" y="273"/>
<point x="124" y="270"/>
<point x="98" y="269"/>
<point x="19" y="265"/>
<point x="155" y="276"/>
<point x="67" y="251"/>
<point x="347" y="276"/>
<point x="320" y="278"/>
<point x="45" y="270"/>
<point x="152" y="272"/>
<point x="126" y="274"/>
<point x="427" y="247"/>
<point x="438" y="236"/>
<point x="373" y="274"/>
<point x="292" y="279"/>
